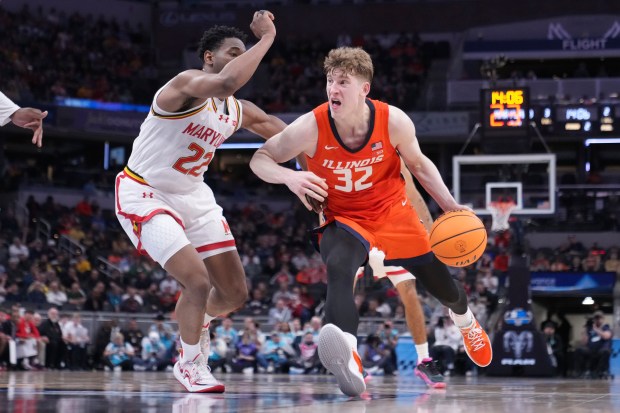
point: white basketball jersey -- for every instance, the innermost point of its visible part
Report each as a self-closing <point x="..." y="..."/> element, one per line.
<point x="173" y="150"/>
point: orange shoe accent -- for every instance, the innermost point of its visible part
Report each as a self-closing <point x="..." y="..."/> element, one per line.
<point x="477" y="344"/>
<point x="357" y="359"/>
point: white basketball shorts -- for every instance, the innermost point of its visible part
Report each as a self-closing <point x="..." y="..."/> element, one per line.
<point x="197" y="214"/>
<point x="395" y="274"/>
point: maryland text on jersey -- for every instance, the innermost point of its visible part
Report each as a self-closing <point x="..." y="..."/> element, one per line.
<point x="204" y="133"/>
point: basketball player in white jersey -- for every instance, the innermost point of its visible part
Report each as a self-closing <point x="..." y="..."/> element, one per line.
<point x="162" y="201"/>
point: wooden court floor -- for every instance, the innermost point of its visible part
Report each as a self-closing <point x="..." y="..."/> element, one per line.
<point x="66" y="392"/>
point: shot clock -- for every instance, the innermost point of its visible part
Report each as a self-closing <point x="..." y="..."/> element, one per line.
<point x="505" y="120"/>
<point x="505" y="108"/>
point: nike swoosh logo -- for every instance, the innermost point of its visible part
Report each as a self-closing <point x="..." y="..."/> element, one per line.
<point x="329" y="148"/>
<point x="404" y="202"/>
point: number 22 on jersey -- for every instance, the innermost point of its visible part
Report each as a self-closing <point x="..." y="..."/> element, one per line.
<point x="353" y="179"/>
<point x="184" y="163"/>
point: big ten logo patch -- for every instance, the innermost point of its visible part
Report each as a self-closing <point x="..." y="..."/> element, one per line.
<point x="226" y="227"/>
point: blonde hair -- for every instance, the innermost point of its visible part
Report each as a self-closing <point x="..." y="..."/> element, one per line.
<point x="352" y="60"/>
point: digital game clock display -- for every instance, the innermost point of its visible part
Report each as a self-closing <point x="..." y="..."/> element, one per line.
<point x="505" y="108"/>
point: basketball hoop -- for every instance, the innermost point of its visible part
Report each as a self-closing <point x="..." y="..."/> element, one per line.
<point x="500" y="212"/>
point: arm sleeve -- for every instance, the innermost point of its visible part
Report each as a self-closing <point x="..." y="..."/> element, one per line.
<point x="7" y="108"/>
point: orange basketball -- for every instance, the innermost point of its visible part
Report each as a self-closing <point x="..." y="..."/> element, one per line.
<point x="458" y="238"/>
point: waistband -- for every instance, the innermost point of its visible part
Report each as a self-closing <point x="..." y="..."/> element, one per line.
<point x="134" y="176"/>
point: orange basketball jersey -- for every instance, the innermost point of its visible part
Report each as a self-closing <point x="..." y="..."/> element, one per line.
<point x="363" y="183"/>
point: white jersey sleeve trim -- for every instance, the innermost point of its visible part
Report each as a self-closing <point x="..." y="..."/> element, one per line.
<point x="159" y="111"/>
<point x="239" y="109"/>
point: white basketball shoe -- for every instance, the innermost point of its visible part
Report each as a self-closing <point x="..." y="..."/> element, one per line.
<point x="196" y="376"/>
<point x="338" y="353"/>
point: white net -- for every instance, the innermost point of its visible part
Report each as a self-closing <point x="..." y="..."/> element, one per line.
<point x="500" y="213"/>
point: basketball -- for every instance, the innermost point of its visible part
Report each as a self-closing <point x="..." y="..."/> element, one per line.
<point x="458" y="238"/>
<point x="316" y="205"/>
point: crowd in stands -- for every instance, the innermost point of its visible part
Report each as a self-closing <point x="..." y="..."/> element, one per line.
<point x="107" y="60"/>
<point x="285" y="275"/>
<point x="296" y="78"/>
<point x="573" y="256"/>
<point x="100" y="59"/>
<point x="101" y="270"/>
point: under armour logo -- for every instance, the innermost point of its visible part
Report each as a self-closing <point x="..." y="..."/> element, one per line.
<point x="147" y="195"/>
<point x="224" y="118"/>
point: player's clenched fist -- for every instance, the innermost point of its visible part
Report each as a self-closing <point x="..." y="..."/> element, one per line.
<point x="262" y="24"/>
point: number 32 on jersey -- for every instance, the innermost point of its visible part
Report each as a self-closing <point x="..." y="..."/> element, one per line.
<point x="353" y="179"/>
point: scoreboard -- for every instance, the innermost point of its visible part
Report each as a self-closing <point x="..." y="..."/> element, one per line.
<point x="505" y="109"/>
<point x="508" y="112"/>
<point x="570" y="119"/>
<point x="505" y="118"/>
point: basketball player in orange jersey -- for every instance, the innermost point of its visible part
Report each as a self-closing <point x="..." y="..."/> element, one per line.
<point x="163" y="203"/>
<point x="404" y="282"/>
<point x="352" y="145"/>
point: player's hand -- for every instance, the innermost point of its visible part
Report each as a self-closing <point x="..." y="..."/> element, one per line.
<point x="457" y="207"/>
<point x="307" y="184"/>
<point x="262" y="24"/>
<point x="30" y="118"/>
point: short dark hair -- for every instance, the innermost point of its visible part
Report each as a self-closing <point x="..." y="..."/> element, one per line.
<point x="214" y="37"/>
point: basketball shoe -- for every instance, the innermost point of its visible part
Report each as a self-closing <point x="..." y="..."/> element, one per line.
<point x="196" y="375"/>
<point x="427" y="370"/>
<point x="338" y="353"/>
<point x="477" y="344"/>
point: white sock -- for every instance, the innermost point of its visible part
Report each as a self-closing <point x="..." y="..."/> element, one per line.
<point x="190" y="351"/>
<point x="207" y="320"/>
<point x="422" y="350"/>
<point x="463" y="320"/>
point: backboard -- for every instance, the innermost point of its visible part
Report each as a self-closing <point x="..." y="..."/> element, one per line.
<point x="528" y="180"/>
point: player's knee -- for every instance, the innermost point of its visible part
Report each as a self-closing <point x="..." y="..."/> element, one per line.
<point x="338" y="264"/>
<point x="242" y="296"/>
<point x="407" y="288"/>
<point x="197" y="289"/>
<point x="237" y="295"/>
<point x="452" y="297"/>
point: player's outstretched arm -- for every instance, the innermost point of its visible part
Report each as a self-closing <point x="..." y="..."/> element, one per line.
<point x="415" y="198"/>
<point x="27" y="118"/>
<point x="403" y="138"/>
<point x="266" y="126"/>
<point x="296" y="139"/>
<point x="257" y="121"/>
<point x="237" y="72"/>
